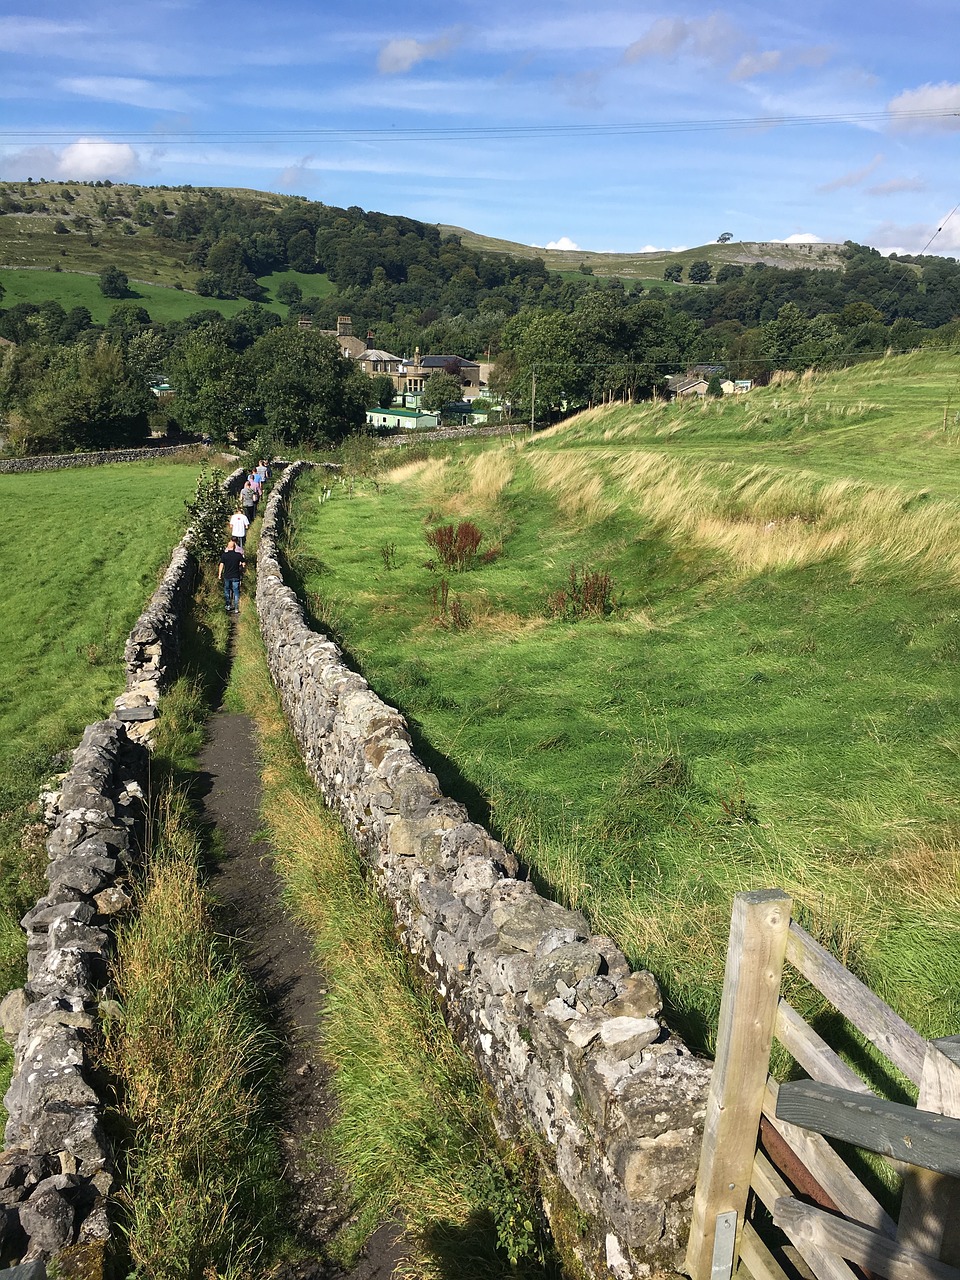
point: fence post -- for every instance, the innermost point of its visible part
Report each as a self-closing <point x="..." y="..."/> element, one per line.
<point x="751" y="989"/>
<point x="930" y="1208"/>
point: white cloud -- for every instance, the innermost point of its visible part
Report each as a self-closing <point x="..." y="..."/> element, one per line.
<point x="563" y="243"/>
<point x="86" y="160"/>
<point x="897" y="237"/>
<point x="800" y="237"/>
<point x="943" y="98"/>
<point x="853" y="178"/>
<point x="91" y="158"/>
<point x="131" y="92"/>
<point x="398" y="56"/>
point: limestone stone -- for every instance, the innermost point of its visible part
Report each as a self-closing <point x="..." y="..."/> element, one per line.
<point x="568" y="964"/>
<point x="12" y="1009"/>
<point x="639" y="997"/>
<point x="48" y="1220"/>
<point x="623" y="1037"/>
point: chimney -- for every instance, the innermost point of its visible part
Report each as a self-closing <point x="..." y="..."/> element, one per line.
<point x="344" y="327"/>
<point x="305" y="322"/>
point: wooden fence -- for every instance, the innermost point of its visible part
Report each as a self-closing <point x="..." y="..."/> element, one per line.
<point x="765" y="1145"/>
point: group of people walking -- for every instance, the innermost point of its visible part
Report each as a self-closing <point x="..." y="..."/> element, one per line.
<point x="232" y="563"/>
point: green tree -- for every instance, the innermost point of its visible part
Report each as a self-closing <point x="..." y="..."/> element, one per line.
<point x="700" y="271"/>
<point x="724" y="237"/>
<point x="207" y="378"/>
<point x="209" y="512"/>
<point x="382" y="391"/>
<point x="714" y="387"/>
<point x="114" y="283"/>
<point x="306" y="390"/>
<point x="289" y="293"/>
<point x="547" y="344"/>
<point x="673" y="271"/>
<point x="441" y="389"/>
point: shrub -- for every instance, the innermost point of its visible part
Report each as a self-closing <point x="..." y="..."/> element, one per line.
<point x="456" y="545"/>
<point x="588" y="594"/>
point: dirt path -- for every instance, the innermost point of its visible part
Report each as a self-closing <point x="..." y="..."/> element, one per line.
<point x="278" y="956"/>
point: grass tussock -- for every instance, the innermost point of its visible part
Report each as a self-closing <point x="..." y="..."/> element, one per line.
<point x="413" y="1134"/>
<point x="192" y="1057"/>
<point x="579" y="492"/>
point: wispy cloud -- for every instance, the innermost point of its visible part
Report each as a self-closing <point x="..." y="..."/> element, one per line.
<point x="131" y="92"/>
<point x="22" y="34"/>
<point x="853" y="178"/>
<point x="399" y="56"/>
<point x="897" y="185"/>
<point x="719" y="41"/>
<point x="943" y="98"/>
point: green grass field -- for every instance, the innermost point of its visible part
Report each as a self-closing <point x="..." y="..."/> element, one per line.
<point x="164" y="303"/>
<point x="773" y="699"/>
<point x="82" y="554"/>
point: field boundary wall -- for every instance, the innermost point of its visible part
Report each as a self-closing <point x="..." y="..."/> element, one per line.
<point x="57" y="1167"/>
<point x="60" y="461"/>
<point x="569" y="1039"/>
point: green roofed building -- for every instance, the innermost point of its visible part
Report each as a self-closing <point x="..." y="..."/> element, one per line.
<point x="404" y="419"/>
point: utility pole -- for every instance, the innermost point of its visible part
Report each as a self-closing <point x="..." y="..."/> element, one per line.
<point x="533" y="399"/>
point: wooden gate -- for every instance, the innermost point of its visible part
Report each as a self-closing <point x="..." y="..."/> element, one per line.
<point x="766" y="1145"/>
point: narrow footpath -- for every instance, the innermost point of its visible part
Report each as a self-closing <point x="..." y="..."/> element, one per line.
<point x="277" y="954"/>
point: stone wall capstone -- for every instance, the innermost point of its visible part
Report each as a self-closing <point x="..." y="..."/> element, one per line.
<point x="569" y="1038"/>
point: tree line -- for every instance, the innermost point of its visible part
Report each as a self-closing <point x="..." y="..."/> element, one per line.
<point x="70" y="383"/>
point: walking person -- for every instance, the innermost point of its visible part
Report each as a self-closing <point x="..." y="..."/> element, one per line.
<point x="239" y="524"/>
<point x="229" y="572"/>
<point x="248" y="502"/>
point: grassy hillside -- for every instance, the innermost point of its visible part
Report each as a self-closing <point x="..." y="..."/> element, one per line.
<point x="648" y="267"/>
<point x="164" y="303"/>
<point x="771" y="699"/>
<point x="80" y="558"/>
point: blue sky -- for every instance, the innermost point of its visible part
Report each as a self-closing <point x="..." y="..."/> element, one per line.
<point x="503" y="117"/>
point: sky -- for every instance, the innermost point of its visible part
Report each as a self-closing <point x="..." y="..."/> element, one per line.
<point x="606" y="126"/>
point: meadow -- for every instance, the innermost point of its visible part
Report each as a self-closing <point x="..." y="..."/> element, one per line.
<point x="82" y="554"/>
<point x="163" y="302"/>
<point x="769" y="699"/>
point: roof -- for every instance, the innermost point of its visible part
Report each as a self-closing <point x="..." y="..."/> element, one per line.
<point x="439" y="362"/>
<point x="372" y="353"/>
<point x="403" y="413"/>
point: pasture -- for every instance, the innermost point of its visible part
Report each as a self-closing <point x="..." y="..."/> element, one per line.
<point x="771" y="699"/>
<point x="163" y="302"/>
<point x="82" y="553"/>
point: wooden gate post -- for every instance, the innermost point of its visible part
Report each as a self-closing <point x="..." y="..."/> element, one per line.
<point x="751" y="990"/>
<point x="930" y="1209"/>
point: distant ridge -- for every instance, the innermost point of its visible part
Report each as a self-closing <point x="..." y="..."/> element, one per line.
<point x="649" y="266"/>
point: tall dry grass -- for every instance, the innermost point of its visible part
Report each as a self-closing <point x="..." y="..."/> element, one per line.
<point x="578" y="489"/>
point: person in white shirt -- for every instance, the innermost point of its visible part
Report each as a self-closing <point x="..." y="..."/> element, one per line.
<point x="239" y="524"/>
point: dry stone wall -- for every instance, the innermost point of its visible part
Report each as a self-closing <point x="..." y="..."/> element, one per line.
<point x="59" y="461"/>
<point x="569" y="1038"/>
<point x="56" y="1169"/>
<point x="152" y="651"/>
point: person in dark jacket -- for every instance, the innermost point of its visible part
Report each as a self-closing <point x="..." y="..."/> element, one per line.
<point x="229" y="572"/>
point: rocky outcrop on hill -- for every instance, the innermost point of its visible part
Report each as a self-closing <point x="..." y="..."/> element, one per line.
<point x="570" y="1039"/>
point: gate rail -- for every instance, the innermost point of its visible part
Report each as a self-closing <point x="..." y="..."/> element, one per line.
<point x="772" y="1139"/>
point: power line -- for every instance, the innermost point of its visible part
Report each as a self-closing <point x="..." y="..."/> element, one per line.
<point x="938" y="230"/>
<point x="479" y="132"/>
